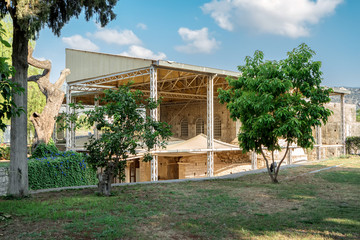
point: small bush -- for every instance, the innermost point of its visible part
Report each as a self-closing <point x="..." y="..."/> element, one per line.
<point x="45" y="150"/>
<point x="4" y="151"/>
<point x="352" y="145"/>
<point x="62" y="170"/>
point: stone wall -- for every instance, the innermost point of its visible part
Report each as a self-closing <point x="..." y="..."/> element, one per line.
<point x="4" y="180"/>
<point x="331" y="132"/>
<point x="174" y="114"/>
<point x="195" y="166"/>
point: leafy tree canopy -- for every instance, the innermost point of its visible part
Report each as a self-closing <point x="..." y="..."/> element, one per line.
<point x="125" y="128"/>
<point x="7" y="87"/>
<point x="33" y="15"/>
<point x="36" y="100"/>
<point x="277" y="100"/>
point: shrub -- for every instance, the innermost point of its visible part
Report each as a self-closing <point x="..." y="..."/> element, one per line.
<point x="45" y="150"/>
<point x="352" y="144"/>
<point x="4" y="151"/>
<point x="62" y="170"/>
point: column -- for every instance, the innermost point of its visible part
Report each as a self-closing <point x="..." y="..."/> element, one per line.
<point x="289" y="159"/>
<point x="253" y="160"/>
<point x="68" y="132"/>
<point x="318" y="142"/>
<point x="343" y="134"/>
<point x="154" y="116"/>
<point x="210" y="126"/>
<point x="96" y="103"/>
<point x="72" y="129"/>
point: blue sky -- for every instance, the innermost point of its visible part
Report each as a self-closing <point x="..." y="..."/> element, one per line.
<point x="220" y="33"/>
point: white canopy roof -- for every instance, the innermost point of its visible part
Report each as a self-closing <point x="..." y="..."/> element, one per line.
<point x="195" y="145"/>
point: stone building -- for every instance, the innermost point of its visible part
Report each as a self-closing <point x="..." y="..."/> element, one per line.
<point x="202" y="127"/>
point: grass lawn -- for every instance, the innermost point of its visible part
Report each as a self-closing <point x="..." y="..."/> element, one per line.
<point x="323" y="205"/>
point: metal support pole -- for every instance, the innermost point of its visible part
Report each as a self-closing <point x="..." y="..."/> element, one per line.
<point x="253" y="160"/>
<point x="68" y="132"/>
<point x="343" y="134"/>
<point x="210" y="126"/>
<point x="73" y="133"/>
<point x="318" y="142"/>
<point x="96" y="131"/>
<point x="54" y="133"/>
<point x="154" y="116"/>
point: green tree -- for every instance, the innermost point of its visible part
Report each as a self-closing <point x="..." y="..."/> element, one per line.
<point x="125" y="128"/>
<point x="277" y="100"/>
<point x="8" y="88"/>
<point x="36" y="100"/>
<point x="29" y="17"/>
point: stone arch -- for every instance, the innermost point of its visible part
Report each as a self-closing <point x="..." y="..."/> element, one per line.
<point x="199" y="126"/>
<point x="184" y="127"/>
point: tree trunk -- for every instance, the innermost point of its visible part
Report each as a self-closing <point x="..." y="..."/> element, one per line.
<point x="44" y="123"/>
<point x="105" y="180"/>
<point x="18" y="177"/>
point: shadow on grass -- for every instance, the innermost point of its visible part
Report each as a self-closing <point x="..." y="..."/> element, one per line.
<point x="315" y="213"/>
<point x="320" y="205"/>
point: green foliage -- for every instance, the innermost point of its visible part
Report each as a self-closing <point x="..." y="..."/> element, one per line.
<point x="36" y="100"/>
<point x="121" y="118"/>
<point x="358" y="115"/>
<point x="45" y="150"/>
<point x="277" y="99"/>
<point x="60" y="170"/>
<point x="7" y="87"/>
<point x="33" y="15"/>
<point x="352" y="144"/>
<point x="4" y="151"/>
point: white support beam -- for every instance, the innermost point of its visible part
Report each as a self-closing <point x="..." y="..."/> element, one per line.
<point x="72" y="126"/>
<point x="116" y="77"/>
<point x="318" y="142"/>
<point x="154" y="116"/>
<point x="96" y="131"/>
<point x="210" y="126"/>
<point x="68" y="132"/>
<point x="343" y="123"/>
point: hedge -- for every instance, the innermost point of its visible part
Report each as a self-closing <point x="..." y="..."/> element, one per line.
<point x="352" y="144"/>
<point x="62" y="170"/>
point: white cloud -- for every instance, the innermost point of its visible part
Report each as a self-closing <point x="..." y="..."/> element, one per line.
<point x="281" y="17"/>
<point x="79" y="42"/>
<point x="141" y="52"/>
<point x="197" y="41"/>
<point x="141" y="26"/>
<point x="112" y="36"/>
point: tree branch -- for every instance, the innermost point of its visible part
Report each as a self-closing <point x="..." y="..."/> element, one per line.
<point x="37" y="63"/>
<point x="64" y="73"/>
<point x="278" y="167"/>
<point x="36" y="78"/>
